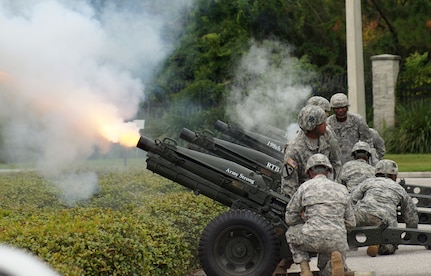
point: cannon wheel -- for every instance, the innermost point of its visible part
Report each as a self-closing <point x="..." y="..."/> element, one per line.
<point x="239" y="242"/>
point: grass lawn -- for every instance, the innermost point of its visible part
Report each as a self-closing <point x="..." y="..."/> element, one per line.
<point x="411" y="162"/>
<point x="406" y="163"/>
<point x="106" y="163"/>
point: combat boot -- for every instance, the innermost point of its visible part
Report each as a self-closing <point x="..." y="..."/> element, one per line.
<point x="372" y="250"/>
<point x="281" y="269"/>
<point x="337" y="264"/>
<point x="305" y="269"/>
<point x="387" y="249"/>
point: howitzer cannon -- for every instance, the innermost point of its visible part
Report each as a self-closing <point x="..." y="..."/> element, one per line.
<point x="260" y="142"/>
<point x="268" y="166"/>
<point x="249" y="239"/>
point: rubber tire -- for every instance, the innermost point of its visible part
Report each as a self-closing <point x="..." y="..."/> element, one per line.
<point x="237" y="243"/>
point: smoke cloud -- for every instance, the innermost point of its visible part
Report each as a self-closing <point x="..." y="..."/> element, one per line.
<point x="270" y="87"/>
<point x="72" y="75"/>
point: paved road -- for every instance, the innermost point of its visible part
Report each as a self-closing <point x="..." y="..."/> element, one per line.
<point x="407" y="261"/>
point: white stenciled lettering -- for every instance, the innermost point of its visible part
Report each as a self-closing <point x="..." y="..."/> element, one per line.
<point x="241" y="176"/>
<point x="275" y="146"/>
<point x="273" y="167"/>
<point x="228" y="170"/>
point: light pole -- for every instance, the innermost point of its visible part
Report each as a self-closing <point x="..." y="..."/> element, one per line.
<point x="355" y="58"/>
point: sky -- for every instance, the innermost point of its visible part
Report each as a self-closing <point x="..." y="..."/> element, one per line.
<point x="72" y="76"/>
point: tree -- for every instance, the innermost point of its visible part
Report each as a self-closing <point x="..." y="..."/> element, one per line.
<point x="219" y="32"/>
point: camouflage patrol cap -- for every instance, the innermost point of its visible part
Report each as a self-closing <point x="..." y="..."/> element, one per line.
<point x="361" y="145"/>
<point x="310" y="117"/>
<point x="339" y="100"/>
<point x="386" y="166"/>
<point x="320" y="101"/>
<point x="318" y="159"/>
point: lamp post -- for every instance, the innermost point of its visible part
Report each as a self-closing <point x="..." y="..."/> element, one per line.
<point x="355" y="59"/>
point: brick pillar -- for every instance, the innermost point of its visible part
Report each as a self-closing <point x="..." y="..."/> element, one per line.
<point x="385" y="70"/>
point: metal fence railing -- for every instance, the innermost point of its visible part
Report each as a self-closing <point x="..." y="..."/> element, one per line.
<point x="413" y="87"/>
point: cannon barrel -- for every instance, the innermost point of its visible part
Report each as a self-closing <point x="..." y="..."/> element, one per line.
<point x="260" y="142"/>
<point x="211" y="175"/>
<point x="268" y="166"/>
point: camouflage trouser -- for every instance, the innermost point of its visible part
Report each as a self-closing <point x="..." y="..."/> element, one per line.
<point x="366" y="219"/>
<point x="300" y="246"/>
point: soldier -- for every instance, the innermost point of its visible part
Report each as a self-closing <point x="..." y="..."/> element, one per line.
<point x="379" y="149"/>
<point x="355" y="171"/>
<point x="329" y="134"/>
<point x="375" y="203"/>
<point x="347" y="126"/>
<point x="317" y="101"/>
<point x="310" y="140"/>
<point x="319" y="216"/>
<point x="320" y="101"/>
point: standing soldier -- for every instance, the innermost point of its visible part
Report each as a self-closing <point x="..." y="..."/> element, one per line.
<point x="347" y="126"/>
<point x="376" y="200"/>
<point x="319" y="216"/>
<point x="357" y="170"/>
<point x="310" y="140"/>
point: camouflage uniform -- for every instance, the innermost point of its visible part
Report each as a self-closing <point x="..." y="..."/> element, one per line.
<point x="354" y="172"/>
<point x="375" y="202"/>
<point x="323" y="227"/>
<point x="302" y="147"/>
<point x="379" y="149"/>
<point x="329" y="135"/>
<point x="297" y="153"/>
<point x="347" y="133"/>
<point x="350" y="131"/>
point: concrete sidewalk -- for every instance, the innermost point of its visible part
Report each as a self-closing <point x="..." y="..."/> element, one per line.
<point x="416" y="178"/>
<point x="414" y="175"/>
<point x="409" y="260"/>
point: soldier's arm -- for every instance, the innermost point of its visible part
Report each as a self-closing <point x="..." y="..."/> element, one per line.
<point x="335" y="153"/>
<point x="356" y="194"/>
<point x="409" y="211"/>
<point x="349" y="217"/>
<point x="340" y="177"/>
<point x="364" y="131"/>
<point x="294" y="209"/>
<point x="289" y="177"/>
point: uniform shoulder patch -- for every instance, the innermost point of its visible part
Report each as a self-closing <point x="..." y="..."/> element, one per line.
<point x="291" y="163"/>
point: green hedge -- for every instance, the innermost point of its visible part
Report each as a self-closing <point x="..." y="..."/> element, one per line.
<point x="138" y="224"/>
<point x="412" y="130"/>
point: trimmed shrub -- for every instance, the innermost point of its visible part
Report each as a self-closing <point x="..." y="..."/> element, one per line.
<point x="412" y="131"/>
<point x="189" y="213"/>
<point x="137" y="224"/>
<point x="92" y="241"/>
